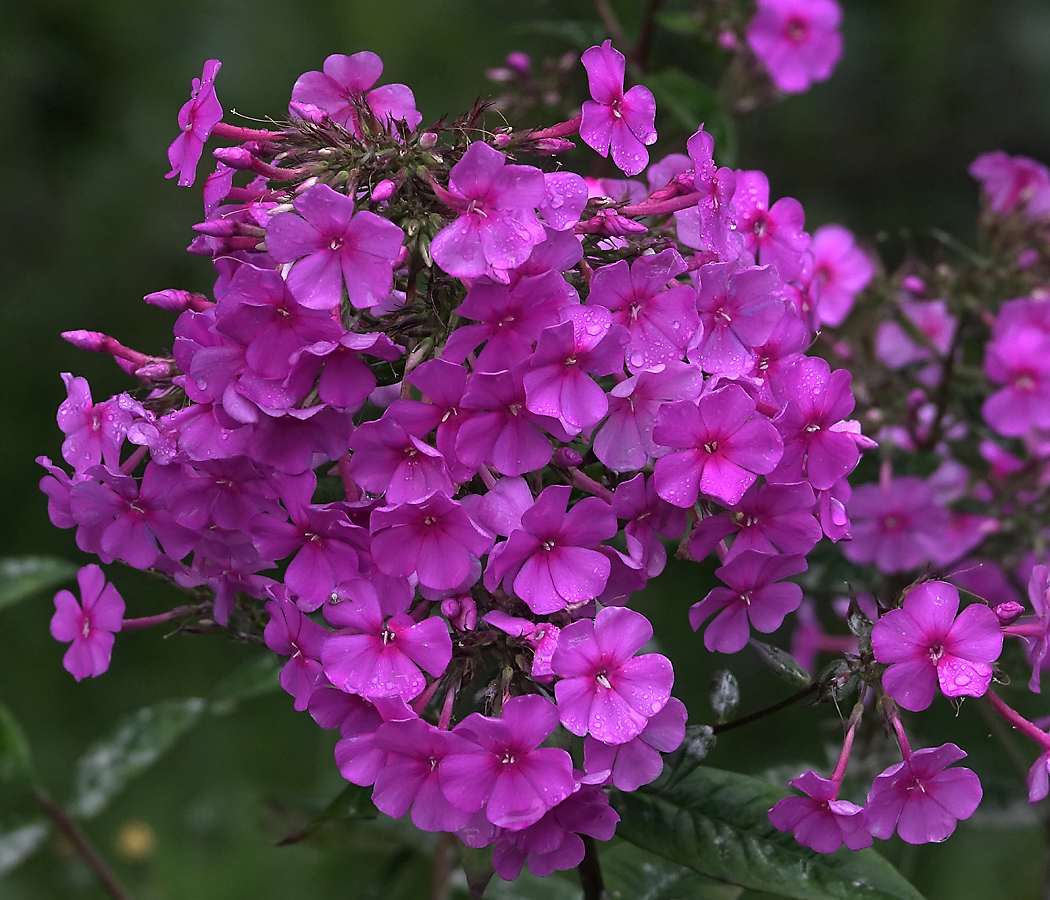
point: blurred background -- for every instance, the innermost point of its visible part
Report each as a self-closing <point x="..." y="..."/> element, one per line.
<point x="88" y="99"/>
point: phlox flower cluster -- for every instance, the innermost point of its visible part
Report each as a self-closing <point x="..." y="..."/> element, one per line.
<point x="432" y="429"/>
<point x="798" y="41"/>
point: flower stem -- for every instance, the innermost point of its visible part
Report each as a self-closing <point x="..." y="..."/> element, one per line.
<point x="1018" y="721"/>
<point x="767" y="710"/>
<point x="72" y="832"/>
<point x="591" y="872"/>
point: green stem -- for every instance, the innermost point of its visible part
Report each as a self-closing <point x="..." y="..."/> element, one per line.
<point x="767" y="710"/>
<point x="591" y="872"/>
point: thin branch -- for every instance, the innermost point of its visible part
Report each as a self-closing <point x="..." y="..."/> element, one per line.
<point x="767" y="710"/>
<point x="83" y="846"/>
<point x="645" y="35"/>
<point x="591" y="872"/>
<point x="611" y="23"/>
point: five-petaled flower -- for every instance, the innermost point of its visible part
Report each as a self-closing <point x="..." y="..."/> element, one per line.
<point x="89" y="623"/>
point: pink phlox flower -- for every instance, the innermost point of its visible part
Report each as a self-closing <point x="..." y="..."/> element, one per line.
<point x="223" y="492"/>
<point x="442" y="383"/>
<point x="57" y="486"/>
<point x="553" y="844"/>
<point x="819" y="820"/>
<point x="774" y="234"/>
<point x="1019" y="359"/>
<point x="345" y="81"/>
<point x="511" y="318"/>
<point x="798" y="41"/>
<point x="621" y="122"/>
<point x="896" y="526"/>
<point x="840" y="271"/>
<point x="640" y="760"/>
<point x="564" y="199"/>
<point x="815" y="400"/>
<point x="921" y="798"/>
<point x="559" y="382"/>
<point x="290" y="633"/>
<point x="1013" y="181"/>
<point x="739" y="309"/>
<point x="711" y="224"/>
<point x="1039" y="597"/>
<point x="605" y="690"/>
<point x="89" y="623"/>
<point x="553" y="559"/>
<point x="896" y="348"/>
<point x="329" y="246"/>
<point x="120" y="518"/>
<point x="198" y="116"/>
<point x="831" y="510"/>
<point x="624" y="441"/>
<point x="346" y="380"/>
<point x="499" y="511"/>
<point x="499" y="430"/>
<point x="770" y="518"/>
<point x="258" y="311"/>
<point x="790" y="337"/>
<point x="718" y="447"/>
<point x="379" y="650"/>
<point x="94" y="432"/>
<point x="648" y="518"/>
<point x="1038" y="778"/>
<point x="409" y="778"/>
<point x="357" y="757"/>
<point x="435" y="540"/>
<point x="496" y="225"/>
<point x="660" y="322"/>
<point x="389" y="461"/>
<point x="755" y="598"/>
<point x="506" y="772"/>
<point x="928" y="646"/>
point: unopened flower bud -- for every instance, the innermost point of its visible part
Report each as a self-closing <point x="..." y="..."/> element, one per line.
<point x="500" y="141"/>
<point x="519" y="62"/>
<point x="1027" y="258"/>
<point x="235" y="157"/>
<point x="727" y="40"/>
<point x="1008" y="612"/>
<point x="383" y="191"/>
<point x="428" y="140"/>
<point x="914" y="284"/>
<point x="174" y="300"/>
<point x="553" y="146"/>
<point x="567" y="457"/>
<point x="308" y="112"/>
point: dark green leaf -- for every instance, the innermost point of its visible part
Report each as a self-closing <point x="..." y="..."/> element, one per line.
<point x="353" y="802"/>
<point x="20" y="841"/>
<point x="783" y="664"/>
<point x="725" y="694"/>
<point x="137" y="743"/>
<point x="528" y="887"/>
<point x="691" y="103"/>
<point x="715" y="822"/>
<point x="679" y="22"/>
<point x="15" y="763"/>
<point x="578" y="34"/>
<point x="477" y="867"/>
<point x="254" y="679"/>
<point x="632" y="873"/>
<point x="21" y="577"/>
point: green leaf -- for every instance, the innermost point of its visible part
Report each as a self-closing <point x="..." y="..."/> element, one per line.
<point x="19" y="842"/>
<point x="632" y="873"/>
<point x="21" y="577"/>
<point x="137" y="743"/>
<point x="783" y="664"/>
<point x="529" y="887"/>
<point x="353" y="802"/>
<point x="15" y="762"/>
<point x="576" y="33"/>
<point x="715" y="823"/>
<point x="478" y="869"/>
<point x="255" y="678"/>
<point x="691" y="103"/>
<point x="679" y="22"/>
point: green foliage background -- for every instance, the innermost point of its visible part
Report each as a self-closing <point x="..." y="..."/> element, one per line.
<point x="88" y="97"/>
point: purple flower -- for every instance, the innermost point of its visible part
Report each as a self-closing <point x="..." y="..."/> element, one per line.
<point x="345" y="81"/>
<point x="921" y="798"/>
<point x="90" y="623"/>
<point x="198" y="116"/>
<point x="773" y="234"/>
<point x="379" y="650"/>
<point x="290" y="633"/>
<point x="622" y="122"/>
<point x="553" y="559"/>
<point x="926" y="645"/>
<point x="605" y="691"/>
<point x="841" y="270"/>
<point x="819" y="820"/>
<point x="1012" y="181"/>
<point x="329" y="246"/>
<point x="754" y="595"/>
<point x="798" y="41"/>
<point x="497" y="226"/>
<point x="507" y="773"/>
<point x="639" y="760"/>
<point x="718" y="447"/>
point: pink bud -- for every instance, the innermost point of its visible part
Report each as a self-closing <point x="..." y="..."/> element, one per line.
<point x="1008" y="612"/>
<point x="384" y="190"/>
<point x="92" y="341"/>
<point x="1027" y="258"/>
<point x="553" y="146"/>
<point x="235" y="157"/>
<point x="428" y="140"/>
<point x="567" y="457"/>
<point x="174" y="300"/>
<point x="500" y="141"/>
<point x="519" y="62"/>
<point x="309" y="112"/>
<point x="914" y="284"/>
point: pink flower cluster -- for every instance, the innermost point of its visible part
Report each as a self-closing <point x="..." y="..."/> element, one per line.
<point x="438" y="419"/>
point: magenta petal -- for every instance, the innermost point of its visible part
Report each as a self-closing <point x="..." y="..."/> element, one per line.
<point x="621" y="632"/>
<point x="911" y="684"/>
